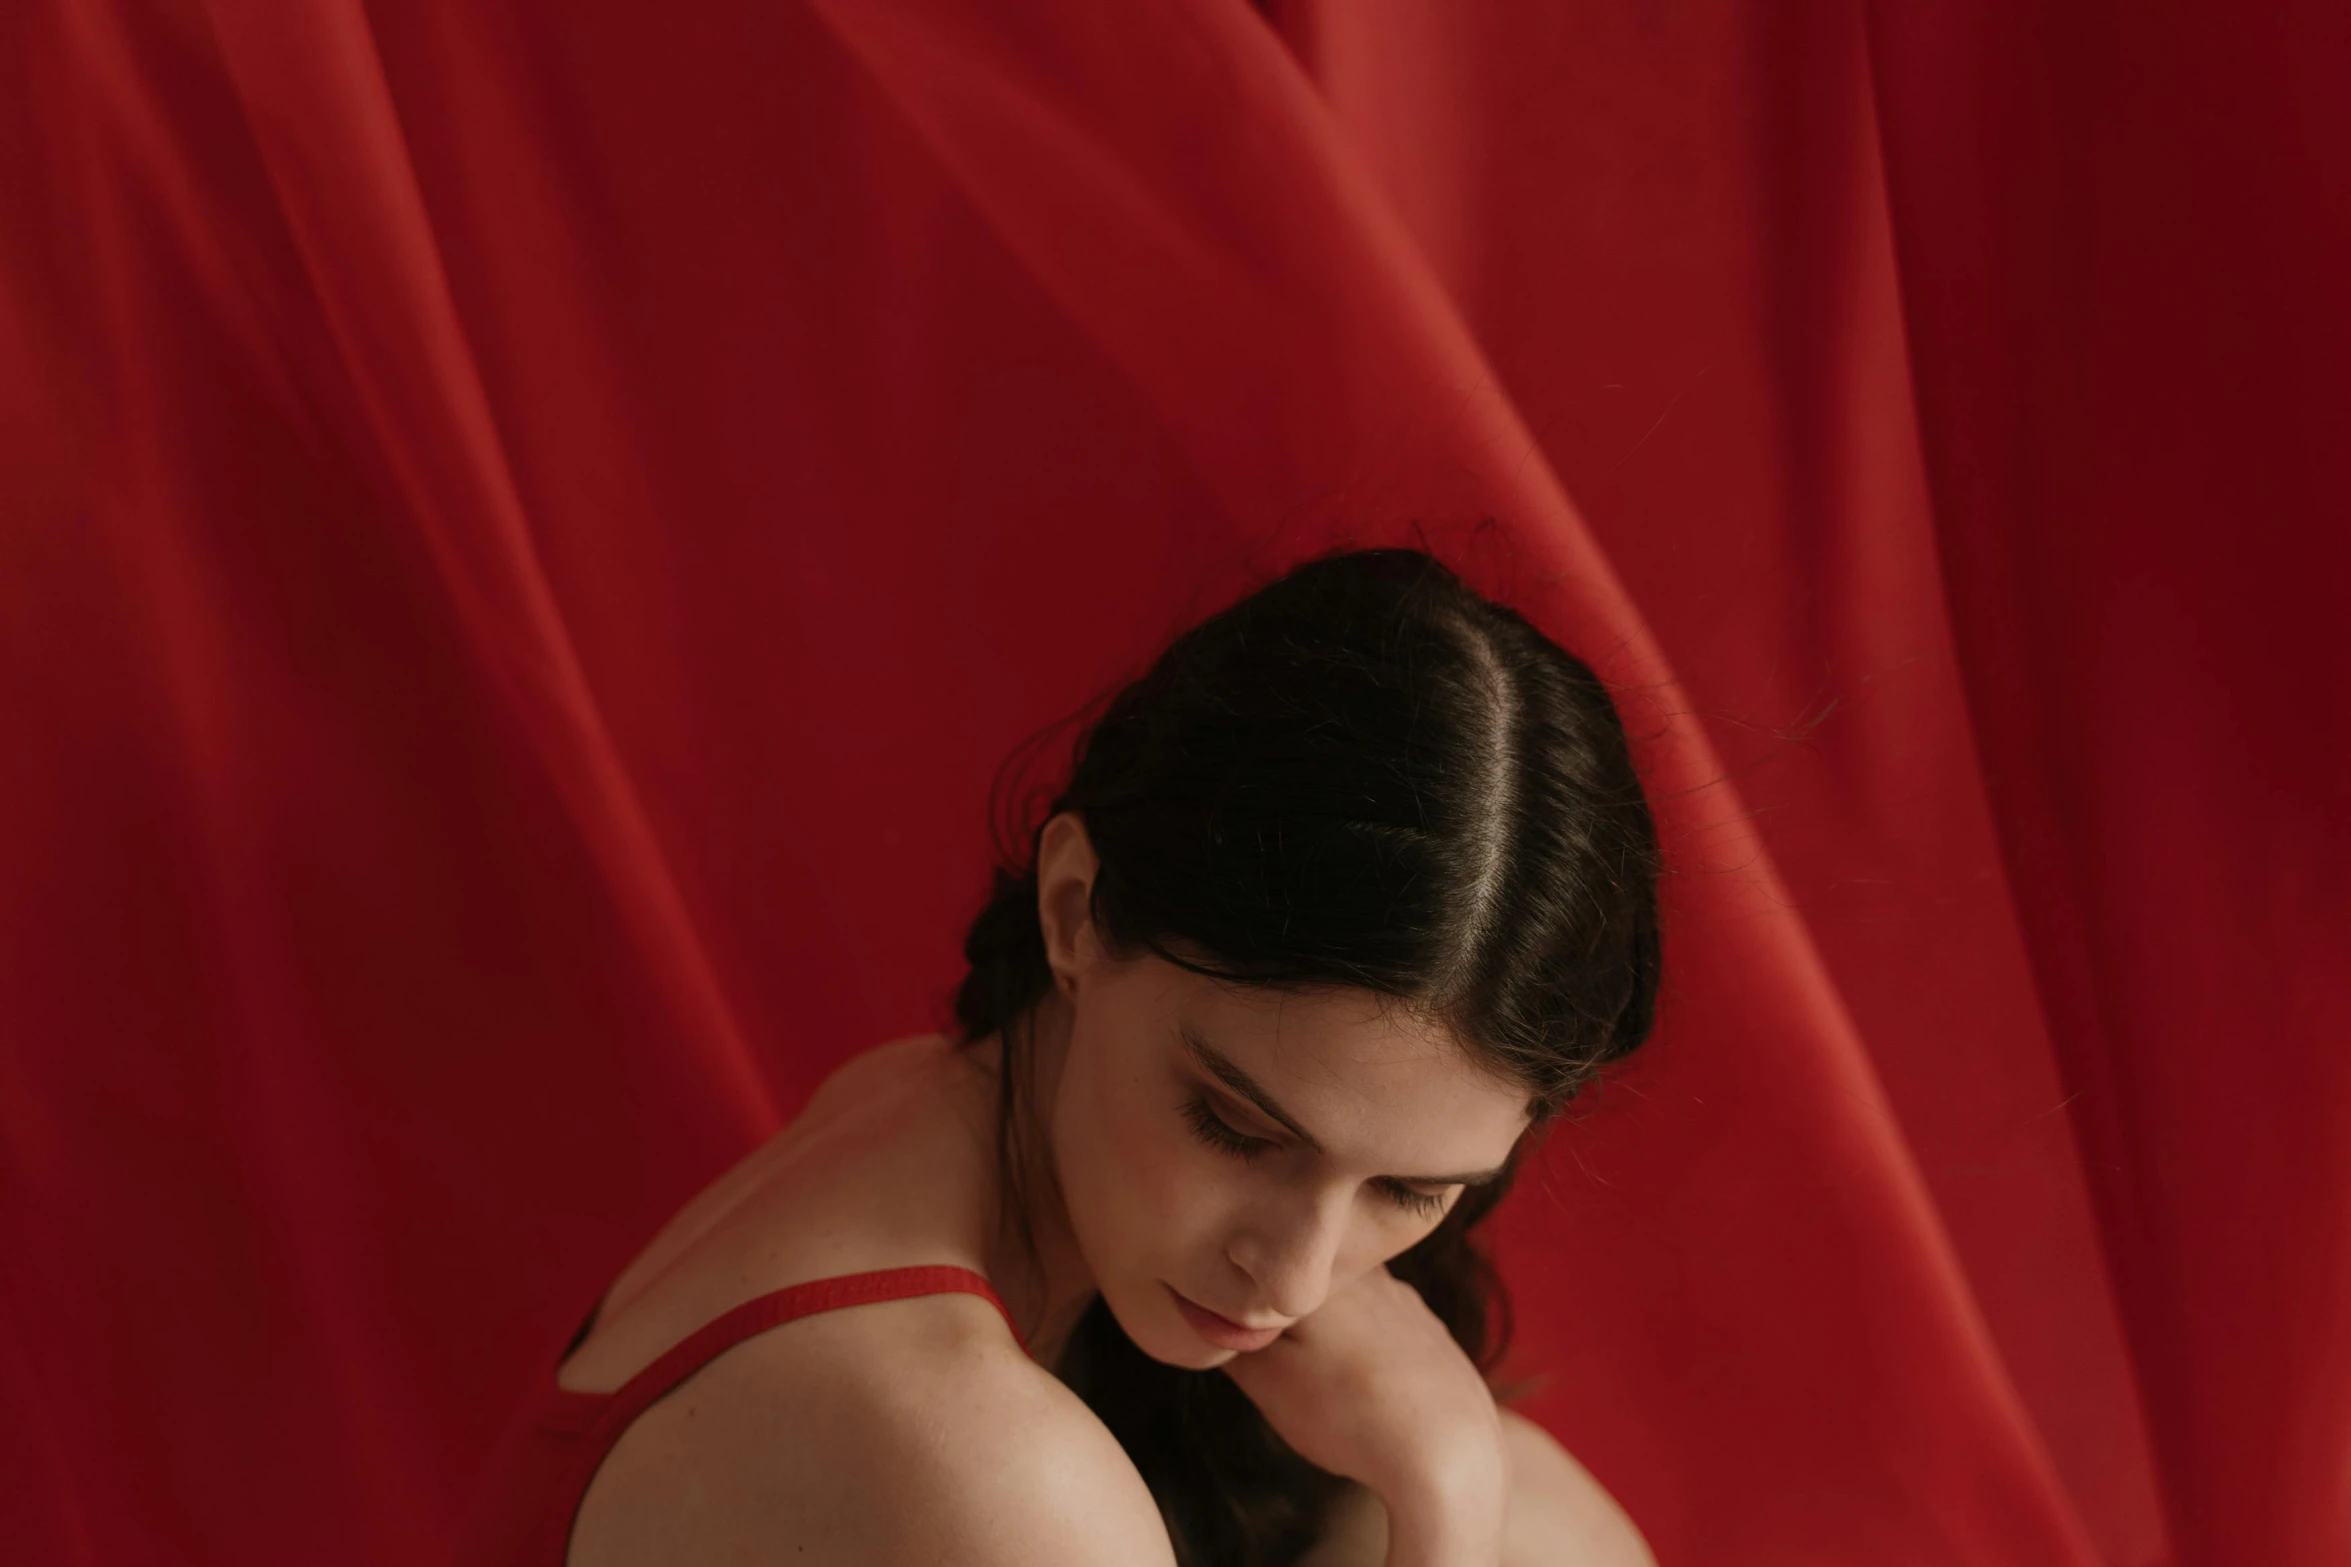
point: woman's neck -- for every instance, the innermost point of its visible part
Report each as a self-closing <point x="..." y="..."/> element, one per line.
<point x="1042" y="1277"/>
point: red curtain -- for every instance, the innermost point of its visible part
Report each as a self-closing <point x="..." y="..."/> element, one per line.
<point x="528" y="528"/>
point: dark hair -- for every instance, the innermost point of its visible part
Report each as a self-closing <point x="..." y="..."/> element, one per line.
<point x="1363" y="774"/>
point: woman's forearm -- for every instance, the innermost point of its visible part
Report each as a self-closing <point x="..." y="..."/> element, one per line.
<point x="1557" y="1514"/>
<point x="1433" y="1527"/>
<point x="1357" y="1534"/>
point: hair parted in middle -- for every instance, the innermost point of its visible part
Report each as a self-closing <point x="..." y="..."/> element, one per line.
<point x="1362" y="775"/>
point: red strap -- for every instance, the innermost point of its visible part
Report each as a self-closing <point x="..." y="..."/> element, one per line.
<point x="610" y="1414"/>
<point x="757" y="1315"/>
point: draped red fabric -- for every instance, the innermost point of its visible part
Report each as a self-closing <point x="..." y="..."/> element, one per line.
<point x="530" y="527"/>
<point x="2124" y="232"/>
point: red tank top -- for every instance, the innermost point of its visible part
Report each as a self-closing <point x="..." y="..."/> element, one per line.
<point x="562" y="1437"/>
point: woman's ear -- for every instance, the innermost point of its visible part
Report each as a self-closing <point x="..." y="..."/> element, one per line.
<point x="1065" y="892"/>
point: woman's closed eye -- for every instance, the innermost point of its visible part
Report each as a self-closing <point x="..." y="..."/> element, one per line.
<point x="1216" y="1132"/>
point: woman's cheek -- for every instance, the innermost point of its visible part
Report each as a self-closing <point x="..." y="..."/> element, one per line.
<point x="1108" y="1167"/>
<point x="1150" y="1167"/>
<point x="1157" y="1189"/>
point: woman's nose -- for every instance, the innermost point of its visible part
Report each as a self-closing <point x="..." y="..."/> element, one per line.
<point x="1292" y="1250"/>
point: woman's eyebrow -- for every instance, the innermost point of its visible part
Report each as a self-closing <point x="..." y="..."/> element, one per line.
<point x="1228" y="1072"/>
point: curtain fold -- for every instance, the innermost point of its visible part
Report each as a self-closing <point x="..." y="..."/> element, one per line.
<point x="2121" y="231"/>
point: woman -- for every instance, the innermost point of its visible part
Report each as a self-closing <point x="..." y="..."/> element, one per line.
<point x="1165" y="1255"/>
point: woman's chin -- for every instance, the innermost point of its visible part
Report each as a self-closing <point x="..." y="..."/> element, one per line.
<point x="1194" y="1356"/>
<point x="1160" y="1332"/>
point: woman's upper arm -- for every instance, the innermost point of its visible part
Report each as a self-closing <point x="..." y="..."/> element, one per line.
<point x="1558" y="1512"/>
<point x="1027" y="1475"/>
<point x="987" y="1464"/>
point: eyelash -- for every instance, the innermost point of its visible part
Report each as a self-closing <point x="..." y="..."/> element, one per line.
<point x="1212" y="1130"/>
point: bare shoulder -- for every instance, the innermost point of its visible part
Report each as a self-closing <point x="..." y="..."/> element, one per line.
<point x="1558" y="1512"/>
<point x="902" y="1432"/>
<point x="889" y="1060"/>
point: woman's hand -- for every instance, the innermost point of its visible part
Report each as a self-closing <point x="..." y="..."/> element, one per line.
<point x="1372" y="1387"/>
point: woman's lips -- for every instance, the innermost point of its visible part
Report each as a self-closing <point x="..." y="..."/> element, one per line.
<point x="1223" y="1332"/>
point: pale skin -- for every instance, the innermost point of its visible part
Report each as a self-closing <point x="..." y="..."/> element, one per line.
<point x="921" y="1431"/>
